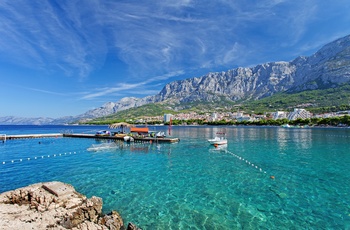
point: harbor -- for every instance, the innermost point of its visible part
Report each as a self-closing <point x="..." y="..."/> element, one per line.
<point x="82" y="135"/>
<point x="137" y="139"/>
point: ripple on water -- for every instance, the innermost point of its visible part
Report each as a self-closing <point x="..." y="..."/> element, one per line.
<point x="189" y="186"/>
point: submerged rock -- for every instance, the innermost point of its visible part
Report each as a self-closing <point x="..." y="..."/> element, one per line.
<point x="54" y="205"/>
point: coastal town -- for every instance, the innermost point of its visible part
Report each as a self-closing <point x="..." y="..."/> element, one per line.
<point x="296" y="114"/>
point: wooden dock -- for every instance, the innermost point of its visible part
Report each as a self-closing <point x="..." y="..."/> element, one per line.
<point x="145" y="139"/>
<point x="55" y="135"/>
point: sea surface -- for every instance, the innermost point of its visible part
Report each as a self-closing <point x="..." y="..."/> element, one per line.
<point x="266" y="177"/>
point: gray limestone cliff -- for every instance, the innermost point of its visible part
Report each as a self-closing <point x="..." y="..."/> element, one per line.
<point x="328" y="67"/>
<point x="55" y="205"/>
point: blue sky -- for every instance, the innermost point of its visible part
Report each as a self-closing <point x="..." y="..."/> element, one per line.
<point x="61" y="58"/>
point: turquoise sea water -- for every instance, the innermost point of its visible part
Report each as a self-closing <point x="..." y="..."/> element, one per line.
<point x="192" y="185"/>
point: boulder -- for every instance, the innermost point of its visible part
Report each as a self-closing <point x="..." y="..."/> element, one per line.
<point x="54" y="205"/>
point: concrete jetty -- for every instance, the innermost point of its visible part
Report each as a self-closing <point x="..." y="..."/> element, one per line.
<point x="144" y="139"/>
<point x="29" y="136"/>
<point x="82" y="135"/>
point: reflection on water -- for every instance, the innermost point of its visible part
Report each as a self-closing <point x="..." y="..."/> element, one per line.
<point x="301" y="137"/>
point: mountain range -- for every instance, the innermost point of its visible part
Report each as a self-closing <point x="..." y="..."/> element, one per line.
<point x="327" y="68"/>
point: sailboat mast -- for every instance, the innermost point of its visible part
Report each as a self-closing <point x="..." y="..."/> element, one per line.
<point x="170" y="122"/>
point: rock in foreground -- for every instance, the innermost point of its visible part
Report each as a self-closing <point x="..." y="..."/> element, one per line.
<point x="54" y="205"/>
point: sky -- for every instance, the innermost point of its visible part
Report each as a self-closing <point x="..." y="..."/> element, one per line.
<point x="65" y="57"/>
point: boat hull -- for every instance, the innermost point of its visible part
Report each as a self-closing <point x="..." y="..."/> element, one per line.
<point x="218" y="141"/>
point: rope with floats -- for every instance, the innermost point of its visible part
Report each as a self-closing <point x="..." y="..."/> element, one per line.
<point x="136" y="143"/>
<point x="40" y="157"/>
<point x="248" y="163"/>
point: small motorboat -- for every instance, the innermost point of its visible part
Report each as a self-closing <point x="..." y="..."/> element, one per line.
<point x="219" y="139"/>
<point x="128" y="139"/>
<point x="103" y="133"/>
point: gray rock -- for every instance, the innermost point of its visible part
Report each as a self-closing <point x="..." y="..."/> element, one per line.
<point x="53" y="205"/>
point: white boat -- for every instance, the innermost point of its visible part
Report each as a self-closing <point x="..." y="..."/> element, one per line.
<point x="128" y="139"/>
<point x="218" y="141"/>
<point x="102" y="147"/>
<point x="103" y="133"/>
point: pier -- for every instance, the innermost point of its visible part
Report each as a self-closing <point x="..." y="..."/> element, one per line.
<point x="55" y="135"/>
<point x="144" y="139"/>
<point x="29" y="136"/>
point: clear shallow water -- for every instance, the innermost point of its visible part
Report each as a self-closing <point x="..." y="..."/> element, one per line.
<point x="190" y="185"/>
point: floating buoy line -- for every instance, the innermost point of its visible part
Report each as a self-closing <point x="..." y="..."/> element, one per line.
<point x="40" y="157"/>
<point x="329" y="135"/>
<point x="248" y="162"/>
<point x="24" y="159"/>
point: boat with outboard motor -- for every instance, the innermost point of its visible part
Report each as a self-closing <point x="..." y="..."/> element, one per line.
<point x="219" y="139"/>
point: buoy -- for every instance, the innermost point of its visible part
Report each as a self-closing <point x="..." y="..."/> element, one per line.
<point x="216" y="145"/>
<point x="272" y="177"/>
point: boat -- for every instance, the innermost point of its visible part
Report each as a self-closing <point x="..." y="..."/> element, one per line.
<point x="285" y="126"/>
<point x="219" y="139"/>
<point x="103" y="133"/>
<point x="159" y="134"/>
<point x="128" y="139"/>
<point x="102" y="147"/>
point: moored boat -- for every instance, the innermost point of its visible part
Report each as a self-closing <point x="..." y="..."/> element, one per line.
<point x="103" y="133"/>
<point x="219" y="139"/>
<point x="128" y="139"/>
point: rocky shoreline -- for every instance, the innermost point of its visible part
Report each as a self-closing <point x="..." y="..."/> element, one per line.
<point x="55" y="205"/>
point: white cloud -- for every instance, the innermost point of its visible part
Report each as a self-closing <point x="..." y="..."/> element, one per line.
<point x="38" y="90"/>
<point x="151" y="39"/>
<point x="138" y="88"/>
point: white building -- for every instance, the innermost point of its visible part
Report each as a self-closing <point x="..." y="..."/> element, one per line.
<point x="279" y="115"/>
<point x="299" y="113"/>
<point x="244" y="118"/>
<point x="167" y="117"/>
<point x="214" y="116"/>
